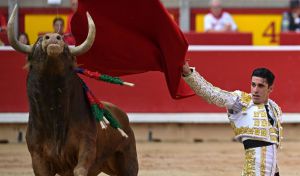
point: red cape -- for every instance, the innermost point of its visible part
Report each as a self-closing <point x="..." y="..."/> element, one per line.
<point x="133" y="36"/>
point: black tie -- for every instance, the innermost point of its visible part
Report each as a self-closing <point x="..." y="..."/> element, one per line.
<point x="271" y="120"/>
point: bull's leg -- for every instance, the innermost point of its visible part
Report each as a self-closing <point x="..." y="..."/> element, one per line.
<point x="40" y="166"/>
<point x="68" y="173"/>
<point x="127" y="159"/>
<point x="128" y="164"/>
<point x="86" y="156"/>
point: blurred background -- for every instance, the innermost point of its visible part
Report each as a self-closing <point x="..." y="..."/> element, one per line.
<point x="261" y="19"/>
<point x="226" y="58"/>
<point x="187" y="137"/>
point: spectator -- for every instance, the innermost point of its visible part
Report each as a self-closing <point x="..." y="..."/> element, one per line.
<point x="58" y="26"/>
<point x="23" y="38"/>
<point x="291" y="18"/>
<point x="2" y="23"/>
<point x="218" y="20"/>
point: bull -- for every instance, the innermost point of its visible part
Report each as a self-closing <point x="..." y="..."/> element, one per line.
<point x="62" y="136"/>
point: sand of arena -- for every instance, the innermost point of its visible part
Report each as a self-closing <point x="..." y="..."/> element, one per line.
<point x="208" y="158"/>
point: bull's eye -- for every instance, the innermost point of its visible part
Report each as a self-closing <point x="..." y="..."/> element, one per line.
<point x="58" y="37"/>
<point x="47" y="37"/>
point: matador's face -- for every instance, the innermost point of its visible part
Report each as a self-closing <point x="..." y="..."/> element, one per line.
<point x="260" y="90"/>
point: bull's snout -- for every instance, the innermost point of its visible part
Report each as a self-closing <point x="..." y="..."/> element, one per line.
<point x="53" y="44"/>
<point x="53" y="39"/>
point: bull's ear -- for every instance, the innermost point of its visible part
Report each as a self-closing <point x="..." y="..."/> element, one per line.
<point x="11" y="34"/>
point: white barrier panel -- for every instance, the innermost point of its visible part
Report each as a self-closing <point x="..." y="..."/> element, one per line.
<point x="220" y="48"/>
<point x="242" y="48"/>
<point x="159" y="118"/>
<point x="6" y="48"/>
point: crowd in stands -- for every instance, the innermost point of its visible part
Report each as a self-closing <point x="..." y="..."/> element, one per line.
<point x="217" y="20"/>
<point x="59" y="24"/>
<point x="58" y="27"/>
<point x="291" y="18"/>
<point x="23" y="38"/>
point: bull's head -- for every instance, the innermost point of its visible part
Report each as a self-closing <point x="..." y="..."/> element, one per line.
<point x="52" y="44"/>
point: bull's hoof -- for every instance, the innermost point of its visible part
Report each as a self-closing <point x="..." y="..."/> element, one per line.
<point x="80" y="172"/>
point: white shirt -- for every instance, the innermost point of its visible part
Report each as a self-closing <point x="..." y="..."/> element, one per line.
<point x="218" y="24"/>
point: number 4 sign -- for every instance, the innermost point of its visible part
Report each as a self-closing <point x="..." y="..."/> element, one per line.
<point x="270" y="32"/>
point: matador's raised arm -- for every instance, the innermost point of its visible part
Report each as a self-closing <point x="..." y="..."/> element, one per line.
<point x="209" y="92"/>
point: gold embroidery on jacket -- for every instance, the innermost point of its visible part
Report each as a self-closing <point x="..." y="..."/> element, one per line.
<point x="264" y="123"/>
<point x="263" y="161"/>
<point x="249" y="165"/>
<point x="256" y="122"/>
<point x="207" y="91"/>
<point x="260" y="106"/>
<point x="260" y="133"/>
<point x="246" y="98"/>
<point x="260" y="127"/>
<point x="278" y="113"/>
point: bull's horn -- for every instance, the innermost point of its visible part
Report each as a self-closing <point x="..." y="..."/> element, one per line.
<point x="11" y="34"/>
<point x="87" y="44"/>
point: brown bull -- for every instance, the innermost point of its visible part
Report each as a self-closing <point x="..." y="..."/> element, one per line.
<point x="63" y="137"/>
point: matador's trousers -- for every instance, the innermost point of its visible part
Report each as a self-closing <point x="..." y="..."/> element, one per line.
<point x="261" y="161"/>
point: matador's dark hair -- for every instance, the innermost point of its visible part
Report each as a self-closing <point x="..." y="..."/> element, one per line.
<point x="264" y="73"/>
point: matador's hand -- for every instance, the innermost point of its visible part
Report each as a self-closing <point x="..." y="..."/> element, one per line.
<point x="237" y="106"/>
<point x="186" y="70"/>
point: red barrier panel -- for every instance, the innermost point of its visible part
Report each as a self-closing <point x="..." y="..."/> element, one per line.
<point x="289" y="38"/>
<point x="222" y="38"/>
<point x="13" y="82"/>
<point x="229" y="70"/>
<point x="3" y="37"/>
